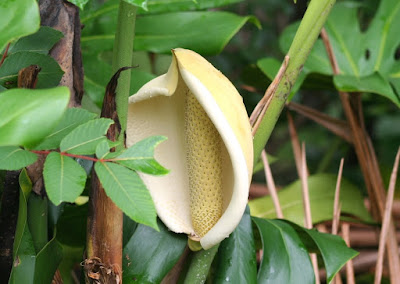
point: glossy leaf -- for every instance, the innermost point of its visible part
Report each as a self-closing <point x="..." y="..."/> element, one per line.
<point x="84" y="139"/>
<point x="128" y="192"/>
<point x="322" y="190"/>
<point x="285" y="258"/>
<point x="49" y="76"/>
<point x="14" y="158"/>
<point x="72" y="118"/>
<point x="332" y="249"/>
<point x="149" y="255"/>
<point x="17" y="19"/>
<point x="140" y="156"/>
<point x="236" y="257"/>
<point x="162" y="6"/>
<point x="366" y="60"/>
<point x="64" y="178"/>
<point x="40" y="42"/>
<point x="160" y="33"/>
<point x="27" y="116"/>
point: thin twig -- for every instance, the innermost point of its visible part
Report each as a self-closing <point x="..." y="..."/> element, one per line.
<point x="271" y="185"/>
<point x="306" y="194"/>
<point x="386" y="220"/>
<point x="295" y="144"/>
<point x="349" y="265"/>
<point x="307" y="207"/>
<point x="336" y="209"/>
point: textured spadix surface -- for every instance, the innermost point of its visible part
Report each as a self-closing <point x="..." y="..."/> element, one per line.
<point x="209" y="150"/>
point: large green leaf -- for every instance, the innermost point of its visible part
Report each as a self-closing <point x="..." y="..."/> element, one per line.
<point x="27" y="116"/>
<point x="29" y="267"/>
<point x="161" y="33"/>
<point x="64" y="178"/>
<point x="236" y="257"/>
<point x="332" y="249"/>
<point x="40" y="42"/>
<point x="49" y="76"/>
<point x="140" y="156"/>
<point x="322" y="191"/>
<point x="285" y="258"/>
<point x="17" y="19"/>
<point x="149" y="255"/>
<point x="14" y="158"/>
<point x="84" y="139"/>
<point x="367" y="60"/>
<point x="128" y="192"/>
<point x="72" y="118"/>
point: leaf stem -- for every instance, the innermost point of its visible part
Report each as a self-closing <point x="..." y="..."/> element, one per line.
<point x="122" y="56"/>
<point x="200" y="265"/>
<point x="307" y="34"/>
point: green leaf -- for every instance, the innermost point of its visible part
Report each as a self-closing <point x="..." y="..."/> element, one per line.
<point x="40" y="42"/>
<point x="72" y="118"/>
<point x="29" y="267"/>
<point x="84" y="139"/>
<point x="17" y="19"/>
<point x="49" y="76"/>
<point x="139" y="3"/>
<point x="160" y="33"/>
<point x="236" y="258"/>
<point x="285" y="258"/>
<point x="333" y="249"/>
<point x="150" y="255"/>
<point x="140" y="156"/>
<point x="361" y="56"/>
<point x="322" y="191"/>
<point x="14" y="158"/>
<point x="64" y="178"/>
<point x="80" y="3"/>
<point x="27" y="116"/>
<point x="128" y="192"/>
<point x="102" y="149"/>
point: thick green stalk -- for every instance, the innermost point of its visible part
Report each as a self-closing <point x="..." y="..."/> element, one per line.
<point x="200" y="265"/>
<point x="309" y="29"/>
<point x="122" y="56"/>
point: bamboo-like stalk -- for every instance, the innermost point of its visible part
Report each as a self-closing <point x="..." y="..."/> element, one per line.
<point x="350" y="278"/>
<point x="105" y="221"/>
<point x="336" y="202"/>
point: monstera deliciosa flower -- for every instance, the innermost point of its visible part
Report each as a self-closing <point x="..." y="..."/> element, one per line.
<point x="209" y="150"/>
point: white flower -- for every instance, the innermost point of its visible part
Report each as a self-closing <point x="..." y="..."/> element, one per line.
<point x="209" y="150"/>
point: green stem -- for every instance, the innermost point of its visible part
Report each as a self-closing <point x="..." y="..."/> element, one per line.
<point x="122" y="56"/>
<point x="307" y="33"/>
<point x="200" y="265"/>
<point x="37" y="220"/>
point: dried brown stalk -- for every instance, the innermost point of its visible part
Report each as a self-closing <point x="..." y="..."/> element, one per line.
<point x="349" y="265"/>
<point x="386" y="220"/>
<point x="295" y="143"/>
<point x="336" y="205"/>
<point x="337" y="126"/>
<point x="271" y="185"/>
<point x="368" y="164"/>
<point x="262" y="106"/>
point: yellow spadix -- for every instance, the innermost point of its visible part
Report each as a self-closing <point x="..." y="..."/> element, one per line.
<point x="209" y="150"/>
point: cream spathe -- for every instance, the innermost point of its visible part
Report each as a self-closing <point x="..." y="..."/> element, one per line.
<point x="209" y="150"/>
